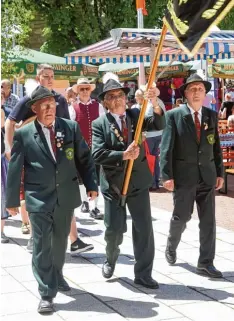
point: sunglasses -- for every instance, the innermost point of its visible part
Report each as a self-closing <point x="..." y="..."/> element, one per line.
<point x="85" y="89"/>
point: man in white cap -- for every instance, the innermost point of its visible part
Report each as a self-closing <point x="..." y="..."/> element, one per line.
<point x="87" y="110"/>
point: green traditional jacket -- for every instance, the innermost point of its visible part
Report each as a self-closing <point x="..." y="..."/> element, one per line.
<point x="182" y="157"/>
<point x="108" y="148"/>
<point x="46" y="181"/>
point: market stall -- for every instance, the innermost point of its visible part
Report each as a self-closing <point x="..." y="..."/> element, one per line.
<point x="23" y="62"/>
<point x="223" y="69"/>
<point x="136" y="45"/>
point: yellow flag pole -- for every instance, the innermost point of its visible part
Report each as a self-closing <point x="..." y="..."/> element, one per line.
<point x="142" y="112"/>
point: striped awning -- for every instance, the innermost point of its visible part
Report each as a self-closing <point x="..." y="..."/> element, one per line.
<point x="135" y="45"/>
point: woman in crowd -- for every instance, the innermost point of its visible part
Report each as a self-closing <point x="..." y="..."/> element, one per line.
<point x="179" y="102"/>
<point x="71" y="97"/>
<point x="226" y="108"/>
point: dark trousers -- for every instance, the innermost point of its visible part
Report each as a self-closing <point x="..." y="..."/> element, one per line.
<point x="142" y="231"/>
<point x="50" y="232"/>
<point x="184" y="198"/>
<point x="153" y="143"/>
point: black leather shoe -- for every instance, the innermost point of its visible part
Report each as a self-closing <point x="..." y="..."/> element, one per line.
<point x="45" y="305"/>
<point x="96" y="214"/>
<point x="147" y="282"/>
<point x="209" y="270"/>
<point x="85" y="207"/>
<point x="170" y="256"/>
<point x="108" y="270"/>
<point x="62" y="284"/>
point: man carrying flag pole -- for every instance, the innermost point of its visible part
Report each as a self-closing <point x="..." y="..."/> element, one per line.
<point x="190" y="24"/>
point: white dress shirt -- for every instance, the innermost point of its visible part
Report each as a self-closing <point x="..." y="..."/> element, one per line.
<point x="193" y="111"/>
<point x="118" y="120"/>
<point x="46" y="132"/>
<point x="72" y="112"/>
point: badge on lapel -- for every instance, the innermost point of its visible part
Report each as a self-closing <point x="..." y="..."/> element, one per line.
<point x="69" y="153"/>
<point x="205" y="126"/>
<point x="116" y="132"/>
<point x="206" y="122"/>
<point x="59" y="139"/>
<point x="211" y="139"/>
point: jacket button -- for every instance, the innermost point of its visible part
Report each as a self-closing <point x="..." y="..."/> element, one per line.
<point x="117" y="164"/>
<point x="200" y="152"/>
<point x="57" y="185"/>
<point x="199" y="163"/>
<point x="56" y="172"/>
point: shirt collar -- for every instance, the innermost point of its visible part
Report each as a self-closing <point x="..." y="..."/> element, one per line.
<point x="43" y="126"/>
<point x="193" y="111"/>
<point x="116" y="116"/>
<point x="88" y="102"/>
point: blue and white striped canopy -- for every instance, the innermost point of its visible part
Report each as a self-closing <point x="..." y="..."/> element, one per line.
<point x="135" y="45"/>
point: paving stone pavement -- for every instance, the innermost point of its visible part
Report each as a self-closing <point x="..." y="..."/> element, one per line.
<point x="182" y="295"/>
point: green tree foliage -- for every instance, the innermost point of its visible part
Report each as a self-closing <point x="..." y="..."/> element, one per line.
<point x="15" y="29"/>
<point x="228" y="21"/>
<point x="74" y="24"/>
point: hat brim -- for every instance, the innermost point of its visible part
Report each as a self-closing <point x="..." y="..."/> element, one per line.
<point x="76" y="87"/>
<point x="126" y="90"/>
<point x="32" y="102"/>
<point x="207" y="85"/>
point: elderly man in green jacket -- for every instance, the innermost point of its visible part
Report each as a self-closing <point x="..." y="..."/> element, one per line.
<point x="51" y="150"/>
<point x="112" y="147"/>
<point x="191" y="167"/>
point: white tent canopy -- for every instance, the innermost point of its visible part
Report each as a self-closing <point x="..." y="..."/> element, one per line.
<point x="136" y="45"/>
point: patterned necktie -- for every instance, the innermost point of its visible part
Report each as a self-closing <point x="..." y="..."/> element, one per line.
<point x="197" y="125"/>
<point x="52" y="139"/>
<point x="124" y="128"/>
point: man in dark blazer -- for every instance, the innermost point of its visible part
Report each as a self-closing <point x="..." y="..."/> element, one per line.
<point x="51" y="150"/>
<point x="191" y="167"/>
<point x="112" y="147"/>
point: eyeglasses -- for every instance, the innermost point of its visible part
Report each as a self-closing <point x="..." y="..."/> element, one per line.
<point x="85" y="89"/>
<point x="112" y="97"/>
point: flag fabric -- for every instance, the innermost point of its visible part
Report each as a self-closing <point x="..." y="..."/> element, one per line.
<point x="140" y="4"/>
<point x="190" y="21"/>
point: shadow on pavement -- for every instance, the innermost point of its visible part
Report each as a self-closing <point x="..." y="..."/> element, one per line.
<point x="86" y="221"/>
<point x="181" y="292"/>
<point x="89" y="232"/>
<point x="108" y="305"/>
<point x="192" y="269"/>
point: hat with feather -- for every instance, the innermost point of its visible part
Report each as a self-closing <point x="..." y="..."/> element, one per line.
<point x="111" y="82"/>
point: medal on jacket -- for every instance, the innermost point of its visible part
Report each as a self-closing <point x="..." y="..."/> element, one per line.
<point x="205" y="126"/>
<point x="59" y="139"/>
